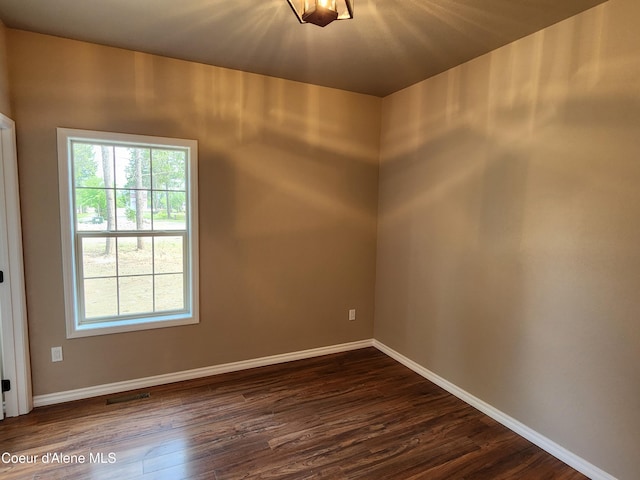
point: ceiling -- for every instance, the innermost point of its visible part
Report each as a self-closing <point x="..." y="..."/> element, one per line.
<point x="389" y="45"/>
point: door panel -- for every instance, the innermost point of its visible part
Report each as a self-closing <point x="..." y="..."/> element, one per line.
<point x="4" y="256"/>
<point x="13" y="322"/>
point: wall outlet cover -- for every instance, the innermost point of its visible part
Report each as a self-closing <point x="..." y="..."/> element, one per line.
<point x="56" y="354"/>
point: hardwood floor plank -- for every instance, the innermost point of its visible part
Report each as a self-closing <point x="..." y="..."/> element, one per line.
<point x="354" y="415"/>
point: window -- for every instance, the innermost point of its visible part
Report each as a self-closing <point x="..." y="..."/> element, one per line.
<point x="129" y="231"/>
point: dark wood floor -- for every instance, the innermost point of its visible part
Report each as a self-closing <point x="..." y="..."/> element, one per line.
<point x="354" y="415"/>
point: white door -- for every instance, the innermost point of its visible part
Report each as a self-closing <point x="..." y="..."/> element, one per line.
<point x="14" y="347"/>
<point x="2" y="407"/>
<point x="4" y="255"/>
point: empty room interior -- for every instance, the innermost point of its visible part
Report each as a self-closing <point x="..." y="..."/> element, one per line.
<point x="403" y="245"/>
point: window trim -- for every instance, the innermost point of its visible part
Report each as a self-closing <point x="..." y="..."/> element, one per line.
<point x="69" y="238"/>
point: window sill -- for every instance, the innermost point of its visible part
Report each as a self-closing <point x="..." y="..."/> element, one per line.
<point x="107" y="328"/>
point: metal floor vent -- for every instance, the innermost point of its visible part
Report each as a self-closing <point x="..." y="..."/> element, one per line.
<point x="128" y="398"/>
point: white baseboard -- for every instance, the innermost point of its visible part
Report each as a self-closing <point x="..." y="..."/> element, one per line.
<point x="534" y="437"/>
<point x="543" y="442"/>
<point x="110" y="388"/>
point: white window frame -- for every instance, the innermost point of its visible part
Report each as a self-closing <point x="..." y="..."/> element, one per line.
<point x="70" y="245"/>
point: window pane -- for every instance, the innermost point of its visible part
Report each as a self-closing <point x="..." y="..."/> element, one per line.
<point x="109" y="213"/>
<point x="106" y="165"/>
<point x="100" y="297"/>
<point x="136" y="295"/>
<point x="168" y="255"/>
<point x="135" y="256"/>
<point x="169" y="210"/>
<point x="134" y="209"/>
<point x="95" y="262"/>
<point x="85" y="166"/>
<point x="91" y="209"/>
<point x="133" y="167"/>
<point x="168" y="169"/>
<point x="93" y="165"/>
<point x="169" y="292"/>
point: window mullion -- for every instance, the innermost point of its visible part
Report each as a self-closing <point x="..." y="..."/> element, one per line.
<point x="151" y="189"/>
<point x="115" y="202"/>
<point x="153" y="271"/>
<point x="117" y="239"/>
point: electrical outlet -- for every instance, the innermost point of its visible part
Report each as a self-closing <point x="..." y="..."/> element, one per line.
<point x="352" y="314"/>
<point x="56" y="354"/>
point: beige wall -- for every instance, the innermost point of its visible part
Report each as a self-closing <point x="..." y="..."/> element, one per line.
<point x="5" y="105"/>
<point x="509" y="231"/>
<point x="288" y="198"/>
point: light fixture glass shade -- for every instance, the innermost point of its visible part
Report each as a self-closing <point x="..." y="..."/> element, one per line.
<point x="321" y="12"/>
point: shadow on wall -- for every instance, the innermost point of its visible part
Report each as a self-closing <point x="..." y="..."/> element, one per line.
<point x="288" y="186"/>
<point x="508" y="233"/>
<point x="287" y="203"/>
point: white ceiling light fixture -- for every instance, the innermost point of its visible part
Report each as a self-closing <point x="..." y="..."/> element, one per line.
<point x="322" y="12"/>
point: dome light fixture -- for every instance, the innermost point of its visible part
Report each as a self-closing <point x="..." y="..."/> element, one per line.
<point x="321" y="12"/>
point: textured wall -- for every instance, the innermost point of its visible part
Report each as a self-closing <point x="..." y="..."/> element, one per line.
<point x="509" y="231"/>
<point x="288" y="197"/>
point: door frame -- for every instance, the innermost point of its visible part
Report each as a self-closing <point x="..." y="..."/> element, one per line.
<point x="15" y="338"/>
